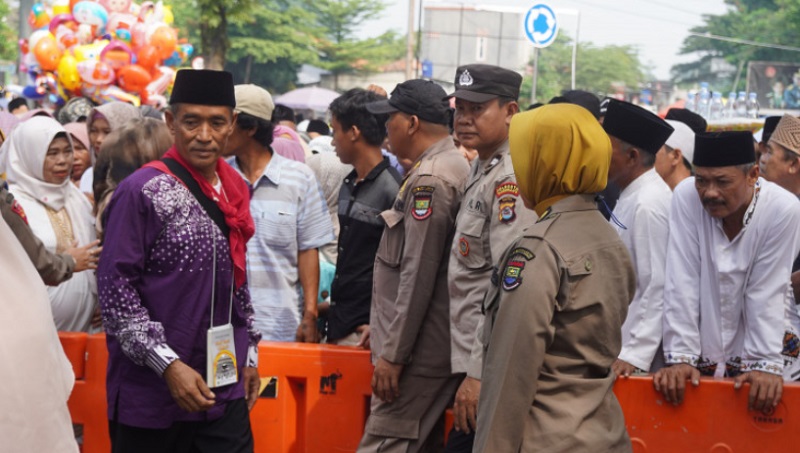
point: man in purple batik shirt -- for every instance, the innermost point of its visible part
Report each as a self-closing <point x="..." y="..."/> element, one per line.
<point x="176" y="237"/>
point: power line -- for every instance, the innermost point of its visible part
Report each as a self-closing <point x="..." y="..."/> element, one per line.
<point x="672" y="7"/>
<point x="745" y="41"/>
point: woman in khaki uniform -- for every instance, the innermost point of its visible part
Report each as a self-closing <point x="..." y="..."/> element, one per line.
<point x="558" y="300"/>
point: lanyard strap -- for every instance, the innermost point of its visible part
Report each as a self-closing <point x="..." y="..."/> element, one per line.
<point x="214" y="283"/>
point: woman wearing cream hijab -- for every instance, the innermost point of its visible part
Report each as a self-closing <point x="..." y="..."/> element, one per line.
<point x="555" y="309"/>
<point x="38" y="164"/>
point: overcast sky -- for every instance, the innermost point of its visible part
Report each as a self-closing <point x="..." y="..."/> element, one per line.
<point x="656" y="27"/>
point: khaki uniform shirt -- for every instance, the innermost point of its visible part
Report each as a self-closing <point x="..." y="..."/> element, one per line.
<point x="53" y="268"/>
<point x="410" y="315"/>
<point x="492" y="215"/>
<point x="552" y="331"/>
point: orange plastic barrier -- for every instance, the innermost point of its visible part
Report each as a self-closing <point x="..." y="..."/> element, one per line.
<point x="87" y="404"/>
<point x="318" y="401"/>
<point x="322" y="400"/>
<point x="713" y="418"/>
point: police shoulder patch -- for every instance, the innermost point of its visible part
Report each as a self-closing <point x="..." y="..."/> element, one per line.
<point x="512" y="272"/>
<point x="507" y="194"/>
<point x="16" y="208"/>
<point x="423" y="202"/>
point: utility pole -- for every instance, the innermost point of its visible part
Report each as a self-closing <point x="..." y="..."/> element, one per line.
<point x="410" y="41"/>
<point x="25" y="7"/>
<point x="535" y="74"/>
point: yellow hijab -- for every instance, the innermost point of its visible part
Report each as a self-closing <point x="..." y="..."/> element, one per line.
<point x="558" y="150"/>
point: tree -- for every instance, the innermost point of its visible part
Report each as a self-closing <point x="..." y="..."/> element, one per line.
<point x="268" y="47"/>
<point x="763" y="21"/>
<point x="340" y="51"/>
<point x="209" y="19"/>
<point x="8" y="35"/>
<point x="600" y="69"/>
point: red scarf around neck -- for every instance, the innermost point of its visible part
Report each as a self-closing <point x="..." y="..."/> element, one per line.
<point x="235" y="205"/>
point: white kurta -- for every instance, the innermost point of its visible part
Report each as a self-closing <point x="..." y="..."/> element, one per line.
<point x="727" y="307"/>
<point x="643" y="208"/>
<point x="37" y="377"/>
<point x="73" y="302"/>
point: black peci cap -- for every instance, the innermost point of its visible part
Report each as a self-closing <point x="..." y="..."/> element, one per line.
<point x="770" y="123"/>
<point x="482" y="82"/>
<point x="696" y="123"/>
<point x="724" y="149"/>
<point x="582" y="98"/>
<point x="637" y="126"/>
<point x="419" y="97"/>
<point x="203" y="87"/>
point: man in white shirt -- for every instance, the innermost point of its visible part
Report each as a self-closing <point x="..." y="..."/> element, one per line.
<point x="733" y="237"/>
<point x="641" y="219"/>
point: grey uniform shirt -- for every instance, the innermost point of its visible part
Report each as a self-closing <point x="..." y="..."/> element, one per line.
<point x="491" y="216"/>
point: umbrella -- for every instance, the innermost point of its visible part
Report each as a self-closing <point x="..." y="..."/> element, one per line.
<point x="309" y="98"/>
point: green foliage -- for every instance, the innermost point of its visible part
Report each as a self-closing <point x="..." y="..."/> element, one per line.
<point x="336" y="23"/>
<point x="764" y="21"/>
<point x="600" y="69"/>
<point x="276" y="39"/>
<point x="8" y="35"/>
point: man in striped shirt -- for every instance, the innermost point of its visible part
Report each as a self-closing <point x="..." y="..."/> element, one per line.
<point x="291" y="219"/>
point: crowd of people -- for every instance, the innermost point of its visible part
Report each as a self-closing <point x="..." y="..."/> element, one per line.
<point x="472" y="247"/>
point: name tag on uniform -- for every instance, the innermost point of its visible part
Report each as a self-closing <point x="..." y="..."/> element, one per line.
<point x="221" y="360"/>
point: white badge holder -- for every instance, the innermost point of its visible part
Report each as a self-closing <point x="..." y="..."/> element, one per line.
<point x="221" y="348"/>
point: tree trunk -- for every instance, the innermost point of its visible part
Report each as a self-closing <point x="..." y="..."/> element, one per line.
<point x="215" y="41"/>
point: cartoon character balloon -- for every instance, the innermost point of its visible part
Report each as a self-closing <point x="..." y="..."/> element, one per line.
<point x="91" y="13"/>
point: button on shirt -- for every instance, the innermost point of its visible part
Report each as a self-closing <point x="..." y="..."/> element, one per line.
<point x="290" y="215"/>
<point x="360" y="207"/>
<point x="726" y="304"/>
<point x="643" y="207"/>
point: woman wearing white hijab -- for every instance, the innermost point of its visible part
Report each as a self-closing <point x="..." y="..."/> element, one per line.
<point x="38" y="160"/>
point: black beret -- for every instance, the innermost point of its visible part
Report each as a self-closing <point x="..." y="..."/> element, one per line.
<point x="203" y="87"/>
<point x="724" y="149"/>
<point x="637" y="126"/>
<point x="696" y="123"/>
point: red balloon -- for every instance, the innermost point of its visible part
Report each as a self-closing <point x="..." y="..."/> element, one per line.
<point x="133" y="78"/>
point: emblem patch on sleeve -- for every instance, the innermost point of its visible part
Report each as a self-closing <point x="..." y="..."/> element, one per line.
<point x="512" y="272"/>
<point x="507" y="194"/>
<point x="16" y="208"/>
<point x="423" y="198"/>
<point x="463" y="246"/>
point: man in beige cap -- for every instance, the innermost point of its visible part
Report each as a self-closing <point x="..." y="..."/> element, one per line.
<point x="781" y="164"/>
<point x="673" y="160"/>
<point x="291" y="220"/>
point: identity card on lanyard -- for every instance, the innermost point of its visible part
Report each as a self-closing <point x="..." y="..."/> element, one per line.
<point x="221" y="359"/>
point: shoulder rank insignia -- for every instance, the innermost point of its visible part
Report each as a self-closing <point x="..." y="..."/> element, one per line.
<point x="16" y="208"/>
<point x="507" y="194"/>
<point x="512" y="273"/>
<point x="546" y="215"/>
<point x="423" y="197"/>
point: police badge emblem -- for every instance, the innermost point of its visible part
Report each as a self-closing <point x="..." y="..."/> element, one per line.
<point x="463" y="246"/>
<point x="465" y="79"/>
<point x="507" y="194"/>
<point x="423" y="196"/>
<point x="512" y="273"/>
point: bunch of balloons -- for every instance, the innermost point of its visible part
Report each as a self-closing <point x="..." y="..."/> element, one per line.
<point x="106" y="50"/>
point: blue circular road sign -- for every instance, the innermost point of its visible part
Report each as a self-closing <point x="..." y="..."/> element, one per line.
<point x="541" y="26"/>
